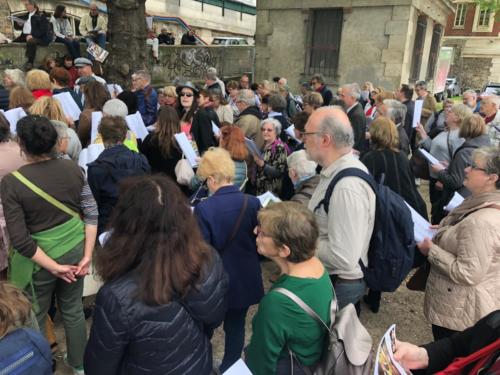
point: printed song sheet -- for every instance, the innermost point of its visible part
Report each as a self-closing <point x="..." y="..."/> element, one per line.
<point x="386" y="364"/>
<point x="421" y="227"/>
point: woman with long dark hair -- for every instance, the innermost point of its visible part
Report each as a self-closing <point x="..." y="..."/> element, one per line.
<point x="95" y="97"/>
<point x="160" y="147"/>
<point x="164" y="287"/>
<point x="64" y="32"/>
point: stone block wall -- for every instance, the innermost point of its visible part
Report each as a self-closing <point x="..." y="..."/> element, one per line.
<point x="186" y="62"/>
<point x="5" y="24"/>
<point x="475" y="72"/>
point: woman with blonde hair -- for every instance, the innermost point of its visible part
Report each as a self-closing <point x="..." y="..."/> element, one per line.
<point x="168" y="96"/>
<point x="38" y="81"/>
<point x="227" y="219"/>
<point x="21" y="97"/>
<point x="19" y="329"/>
<point x="473" y="130"/>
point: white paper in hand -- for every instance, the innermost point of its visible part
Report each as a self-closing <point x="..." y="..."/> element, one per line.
<point x="96" y="120"/>
<point x="136" y="125"/>
<point x="68" y="105"/>
<point x="114" y="89"/>
<point x="431" y="159"/>
<point x="291" y="132"/>
<point x="187" y="149"/>
<point x="455" y="201"/>
<point x="421" y="227"/>
<point x="13" y="116"/>
<point x="238" y="368"/>
<point x="215" y="129"/>
<point x="267" y="198"/>
<point x="417" y="113"/>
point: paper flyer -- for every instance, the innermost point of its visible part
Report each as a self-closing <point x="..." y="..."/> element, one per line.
<point x="136" y="125"/>
<point x="421" y="227"/>
<point x="187" y="149"/>
<point x="215" y="129"/>
<point x="267" y="198"/>
<point x="68" y="104"/>
<point x="455" y="201"/>
<point x="431" y="159"/>
<point x="417" y="114"/>
<point x="385" y="363"/>
<point x="13" y="116"/>
<point x="96" y="120"/>
<point x="238" y="368"/>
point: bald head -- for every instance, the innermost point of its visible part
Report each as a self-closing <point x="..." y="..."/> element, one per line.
<point x="328" y="135"/>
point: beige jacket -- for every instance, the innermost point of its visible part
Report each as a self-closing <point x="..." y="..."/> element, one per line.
<point x="464" y="282"/>
<point x="250" y="125"/>
<point x="86" y="24"/>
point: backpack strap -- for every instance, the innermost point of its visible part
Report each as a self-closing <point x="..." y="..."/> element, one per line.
<point x="304" y="306"/>
<point x="348" y="172"/>
<point x="44" y="195"/>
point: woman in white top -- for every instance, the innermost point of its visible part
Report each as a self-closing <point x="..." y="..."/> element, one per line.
<point x="64" y="32"/>
<point x="442" y="147"/>
<point x="222" y="108"/>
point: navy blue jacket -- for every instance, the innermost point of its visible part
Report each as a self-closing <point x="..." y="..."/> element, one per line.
<point x="131" y="338"/>
<point x="105" y="173"/>
<point x="217" y="218"/>
<point x="147" y="102"/>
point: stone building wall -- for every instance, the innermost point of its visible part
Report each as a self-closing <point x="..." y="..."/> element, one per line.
<point x="475" y="72"/>
<point x="5" y="24"/>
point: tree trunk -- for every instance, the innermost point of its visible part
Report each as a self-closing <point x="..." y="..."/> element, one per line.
<point x="127" y="40"/>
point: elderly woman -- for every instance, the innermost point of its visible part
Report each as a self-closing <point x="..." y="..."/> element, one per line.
<point x="450" y="178"/>
<point x="226" y="220"/>
<point x="11" y="79"/>
<point x="44" y="208"/>
<point x="442" y="147"/>
<point x="272" y="165"/>
<point x="288" y="234"/>
<point x="168" y="96"/>
<point x="302" y="172"/>
<point x="465" y="273"/>
<point x="312" y="102"/>
<point x="38" y="81"/>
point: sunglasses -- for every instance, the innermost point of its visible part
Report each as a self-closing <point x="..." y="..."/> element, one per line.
<point x="189" y="95"/>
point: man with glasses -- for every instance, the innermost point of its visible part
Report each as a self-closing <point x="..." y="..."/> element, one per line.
<point x="346" y="230"/>
<point x="147" y="97"/>
<point x="318" y="85"/>
<point x="250" y="117"/>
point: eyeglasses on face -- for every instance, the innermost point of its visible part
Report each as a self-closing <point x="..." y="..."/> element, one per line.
<point x="188" y="94"/>
<point x="474" y="166"/>
<point x="259" y="232"/>
<point x="267" y="130"/>
<point x="305" y="134"/>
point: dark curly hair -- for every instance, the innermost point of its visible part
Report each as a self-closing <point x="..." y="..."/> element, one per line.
<point x="37" y="135"/>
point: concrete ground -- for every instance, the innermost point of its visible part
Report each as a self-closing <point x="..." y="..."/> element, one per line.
<point x="403" y="308"/>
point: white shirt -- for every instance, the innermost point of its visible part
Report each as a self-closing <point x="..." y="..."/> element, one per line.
<point x="345" y="233"/>
<point x="27" y="24"/>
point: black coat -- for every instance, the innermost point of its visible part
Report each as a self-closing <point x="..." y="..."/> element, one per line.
<point x="398" y="176"/>
<point x="202" y="129"/>
<point x="105" y="173"/>
<point x="326" y="94"/>
<point x="166" y="39"/>
<point x="131" y="338"/>
<point x="188" y="40"/>
<point x="4" y="99"/>
<point x="159" y="163"/>
<point x="410" y="109"/>
<point x="41" y="28"/>
<point x="358" y="122"/>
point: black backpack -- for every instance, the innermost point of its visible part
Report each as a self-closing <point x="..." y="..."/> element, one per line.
<point x="392" y="244"/>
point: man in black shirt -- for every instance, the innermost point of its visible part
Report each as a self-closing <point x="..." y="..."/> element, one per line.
<point x="188" y="39"/>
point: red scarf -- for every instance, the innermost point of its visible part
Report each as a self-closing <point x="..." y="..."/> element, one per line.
<point x="41" y="92"/>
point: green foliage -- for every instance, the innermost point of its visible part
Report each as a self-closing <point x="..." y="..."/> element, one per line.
<point x="493" y="5"/>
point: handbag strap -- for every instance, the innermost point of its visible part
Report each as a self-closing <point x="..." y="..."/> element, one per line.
<point x="44" y="195"/>
<point x="450" y="152"/>
<point x="238" y="223"/>
<point x="304" y="306"/>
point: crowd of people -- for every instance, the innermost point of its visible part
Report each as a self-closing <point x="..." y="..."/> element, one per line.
<point x="181" y="247"/>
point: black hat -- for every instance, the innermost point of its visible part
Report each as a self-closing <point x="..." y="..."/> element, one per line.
<point x="188" y="85"/>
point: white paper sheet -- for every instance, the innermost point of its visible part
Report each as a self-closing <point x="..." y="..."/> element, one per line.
<point x="89" y="154"/>
<point x="290" y="131"/>
<point x="215" y="129"/>
<point x="385" y="363"/>
<point x="104" y="237"/>
<point x="68" y="105"/>
<point x="187" y="149"/>
<point x="149" y="23"/>
<point x="421" y="227"/>
<point x="136" y="124"/>
<point x="13" y="116"/>
<point x="431" y="159"/>
<point x="267" y="198"/>
<point x="455" y="201"/>
<point x="417" y="113"/>
<point x="96" y="120"/>
<point x="114" y="89"/>
<point x="238" y="368"/>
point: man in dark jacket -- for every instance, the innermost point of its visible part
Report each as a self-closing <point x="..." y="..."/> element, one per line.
<point x="147" y="98"/>
<point x="250" y="117"/>
<point x="188" y="39"/>
<point x="405" y="95"/>
<point x="350" y="95"/>
<point x="114" y="164"/>
<point x="36" y="31"/>
<point x="318" y="85"/>
<point x="166" y="37"/>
